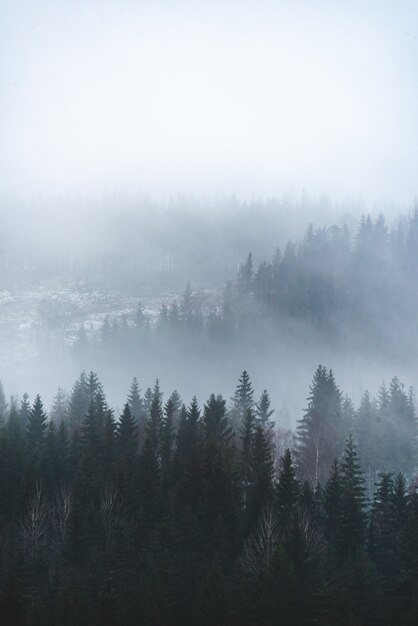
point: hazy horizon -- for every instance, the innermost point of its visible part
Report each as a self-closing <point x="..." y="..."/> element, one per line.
<point x="244" y="98"/>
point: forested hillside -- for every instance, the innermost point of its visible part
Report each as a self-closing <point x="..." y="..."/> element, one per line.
<point x="182" y="514"/>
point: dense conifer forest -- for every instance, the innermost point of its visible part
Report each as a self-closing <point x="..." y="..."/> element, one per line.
<point x="349" y="288"/>
<point x="181" y="514"/>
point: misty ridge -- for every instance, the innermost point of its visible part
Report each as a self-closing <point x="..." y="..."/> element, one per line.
<point x="129" y="292"/>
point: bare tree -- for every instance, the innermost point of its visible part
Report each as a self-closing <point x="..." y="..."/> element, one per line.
<point x="260" y="546"/>
<point x="32" y="530"/>
<point x="61" y="512"/>
<point x="111" y="510"/>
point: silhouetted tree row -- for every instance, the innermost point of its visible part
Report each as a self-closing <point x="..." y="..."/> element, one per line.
<point x="174" y="514"/>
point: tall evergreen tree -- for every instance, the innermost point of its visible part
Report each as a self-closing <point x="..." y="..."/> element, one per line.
<point x="352" y="519"/>
<point x="242" y="400"/>
<point x="319" y="431"/>
<point x="37" y="424"/>
<point x="59" y="409"/>
<point x="24" y="411"/>
<point x="263" y="410"/>
<point x="287" y="490"/>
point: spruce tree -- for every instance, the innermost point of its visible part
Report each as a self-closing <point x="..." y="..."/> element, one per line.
<point x="135" y="400"/>
<point x="79" y="402"/>
<point x="318" y="432"/>
<point x="382" y="525"/>
<point x="287" y="490"/>
<point x="127" y="434"/>
<point x="261" y="490"/>
<point x="242" y="400"/>
<point x="263" y="410"/>
<point x="37" y="424"/>
<point x="352" y="517"/>
<point x="332" y="499"/>
<point x="24" y="411"/>
<point x="59" y="409"/>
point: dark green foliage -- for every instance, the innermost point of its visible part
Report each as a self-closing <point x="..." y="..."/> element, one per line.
<point x="193" y="527"/>
<point x="37" y="425"/>
<point x="287" y="490"/>
<point x="352" y="518"/>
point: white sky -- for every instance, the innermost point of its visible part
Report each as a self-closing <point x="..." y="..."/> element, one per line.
<point x="209" y="97"/>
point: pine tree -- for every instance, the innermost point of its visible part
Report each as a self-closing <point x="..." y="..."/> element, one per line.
<point x="79" y="402"/>
<point x="247" y="446"/>
<point x="263" y="410"/>
<point x="382" y="525"/>
<point x="221" y="493"/>
<point x="332" y="499"/>
<point x="318" y="432"/>
<point x="127" y="434"/>
<point x="167" y="443"/>
<point x="24" y="410"/>
<point x="245" y="275"/>
<point x="59" y="409"/>
<point x="37" y="425"/>
<point x="242" y="400"/>
<point x="352" y="519"/>
<point x="261" y="490"/>
<point x="287" y="490"/>
<point x="367" y="434"/>
<point x="188" y="456"/>
<point x="401" y="454"/>
<point x="134" y="400"/>
<point x="154" y="424"/>
<point x="127" y="449"/>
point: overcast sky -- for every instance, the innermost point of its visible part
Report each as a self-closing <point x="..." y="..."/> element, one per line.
<point x="209" y="97"/>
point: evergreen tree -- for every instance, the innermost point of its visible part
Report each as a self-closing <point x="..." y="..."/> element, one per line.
<point x="352" y="519"/>
<point x="319" y="431"/>
<point x="154" y="424"/>
<point x="37" y="424"/>
<point x="382" y="525"/>
<point x="134" y="400"/>
<point x="332" y="499"/>
<point x="127" y="434"/>
<point x="261" y="490"/>
<point x="263" y="410"/>
<point x="287" y="490"/>
<point x="366" y="431"/>
<point x="187" y="464"/>
<point x="79" y="401"/>
<point x="245" y="275"/>
<point x="59" y="409"/>
<point x="242" y="400"/>
<point x="24" y="410"/>
<point x="167" y="443"/>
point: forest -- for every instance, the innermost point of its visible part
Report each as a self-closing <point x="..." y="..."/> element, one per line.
<point x="180" y="514"/>
<point x="208" y="313"/>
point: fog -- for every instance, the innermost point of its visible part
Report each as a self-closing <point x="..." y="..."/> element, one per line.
<point x="148" y="145"/>
<point x="245" y="98"/>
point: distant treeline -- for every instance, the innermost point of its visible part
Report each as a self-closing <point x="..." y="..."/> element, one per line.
<point x="131" y="241"/>
<point x="357" y="292"/>
<point x="174" y="514"/>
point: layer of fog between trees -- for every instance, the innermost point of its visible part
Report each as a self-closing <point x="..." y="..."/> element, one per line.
<point x="344" y="295"/>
